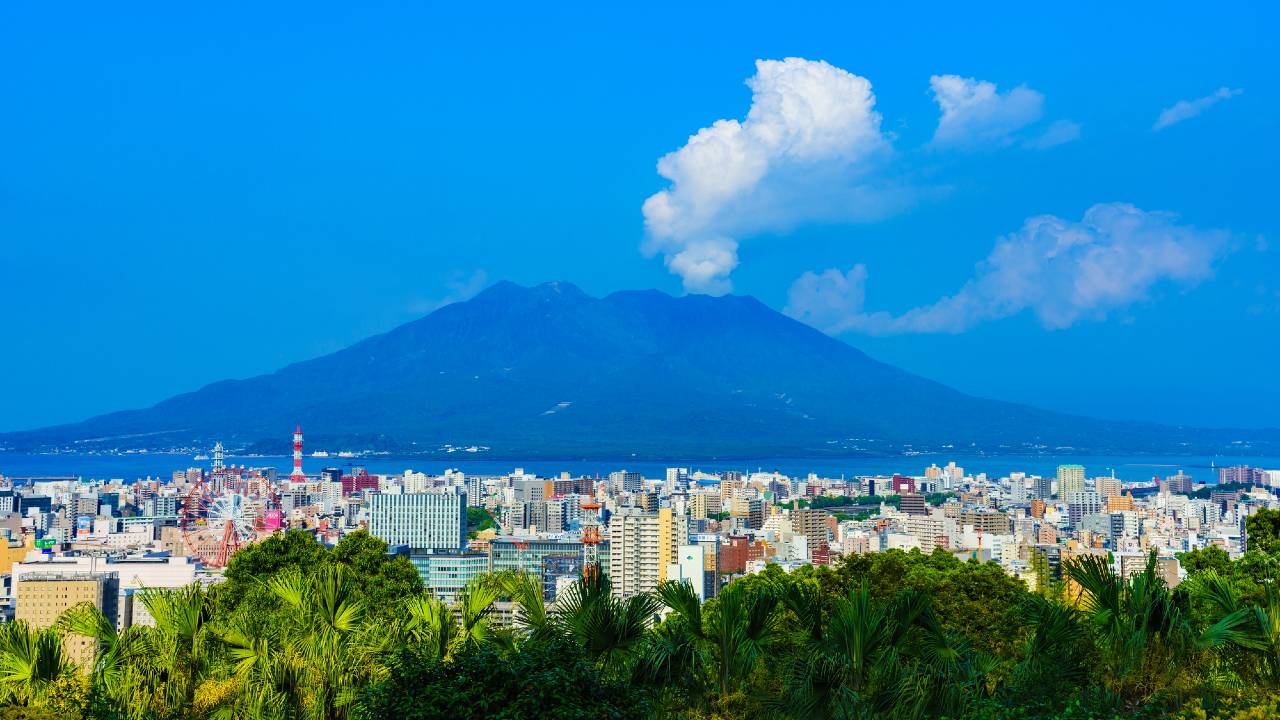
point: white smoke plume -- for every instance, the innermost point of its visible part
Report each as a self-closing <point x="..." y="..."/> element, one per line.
<point x="801" y="155"/>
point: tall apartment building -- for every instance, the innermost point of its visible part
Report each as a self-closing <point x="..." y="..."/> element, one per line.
<point x="10" y="502"/>
<point x="647" y="502"/>
<point x="40" y="597"/>
<point x="750" y="508"/>
<point x="702" y="504"/>
<point x="990" y="522"/>
<point x="730" y="482"/>
<point x="359" y="483"/>
<point x="931" y="531"/>
<point x="1134" y="563"/>
<point x="555" y="515"/>
<point x="711" y="562"/>
<point x="1081" y="503"/>
<point x="1070" y="479"/>
<point x="1124" y="524"/>
<point x="1017" y="489"/>
<point x="1108" y="486"/>
<point x="422" y="521"/>
<point x="698" y="506"/>
<point x="641" y="547"/>
<point x="677" y="478"/>
<point x="622" y="481"/>
<point x="530" y="491"/>
<point x="1180" y="483"/>
<point x="813" y="524"/>
<point x="1242" y="474"/>
<point x="1042" y="487"/>
<point x="913" y="503"/>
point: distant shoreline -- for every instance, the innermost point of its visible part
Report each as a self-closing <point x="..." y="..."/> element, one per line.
<point x="1130" y="467"/>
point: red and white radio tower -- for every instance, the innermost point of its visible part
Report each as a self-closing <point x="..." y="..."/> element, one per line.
<point x="297" y="455"/>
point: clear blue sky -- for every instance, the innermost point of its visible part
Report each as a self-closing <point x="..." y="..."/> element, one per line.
<point x="192" y="193"/>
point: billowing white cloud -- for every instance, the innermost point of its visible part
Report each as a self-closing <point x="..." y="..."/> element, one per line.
<point x="801" y="155"/>
<point x="1058" y="269"/>
<point x="1187" y="109"/>
<point x="975" y="113"/>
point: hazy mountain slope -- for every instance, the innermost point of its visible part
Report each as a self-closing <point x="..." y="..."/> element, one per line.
<point x="549" y="370"/>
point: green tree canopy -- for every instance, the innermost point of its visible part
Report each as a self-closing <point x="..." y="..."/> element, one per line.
<point x="551" y="680"/>
<point x="1263" y="531"/>
<point x="979" y="599"/>
<point x="381" y="581"/>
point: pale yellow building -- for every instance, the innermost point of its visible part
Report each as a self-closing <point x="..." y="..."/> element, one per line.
<point x="702" y="505"/>
<point x="673" y="531"/>
<point x="1070" y="479"/>
<point x="41" y="598"/>
<point x="641" y="546"/>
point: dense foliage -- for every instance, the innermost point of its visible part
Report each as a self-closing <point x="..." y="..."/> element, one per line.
<point x="479" y="520"/>
<point x="379" y="581"/>
<point x="301" y="631"/>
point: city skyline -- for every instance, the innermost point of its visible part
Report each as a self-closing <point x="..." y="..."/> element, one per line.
<point x="424" y="361"/>
<point x="201" y="196"/>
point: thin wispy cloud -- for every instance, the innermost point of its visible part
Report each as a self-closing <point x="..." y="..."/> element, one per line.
<point x="1187" y="109"/>
<point x="975" y="113"/>
<point x="1058" y="133"/>
<point x="462" y="286"/>
<point x="1060" y="270"/>
<point x="804" y="153"/>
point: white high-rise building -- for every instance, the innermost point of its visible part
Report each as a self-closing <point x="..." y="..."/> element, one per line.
<point x="423" y="521"/>
<point x="1017" y="489"/>
<point x="642" y="546"/>
<point x="416" y="482"/>
<point x="329" y="496"/>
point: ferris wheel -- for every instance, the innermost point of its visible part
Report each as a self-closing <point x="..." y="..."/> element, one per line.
<point x="231" y="509"/>
<point x="223" y="523"/>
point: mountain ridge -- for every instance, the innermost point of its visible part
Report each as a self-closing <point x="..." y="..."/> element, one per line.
<point x="550" y="371"/>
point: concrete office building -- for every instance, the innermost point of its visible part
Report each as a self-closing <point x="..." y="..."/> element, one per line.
<point x="41" y="597"/>
<point x="422" y="521"/>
